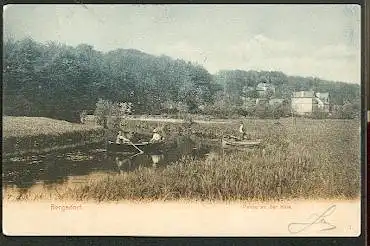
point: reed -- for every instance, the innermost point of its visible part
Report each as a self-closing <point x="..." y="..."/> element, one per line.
<point x="314" y="159"/>
<point x="36" y="135"/>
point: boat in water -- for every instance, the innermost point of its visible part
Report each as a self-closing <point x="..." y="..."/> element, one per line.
<point x="241" y="143"/>
<point x="146" y="147"/>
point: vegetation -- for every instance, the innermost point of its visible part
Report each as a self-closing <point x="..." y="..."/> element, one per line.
<point x="34" y="126"/>
<point x="114" y="112"/>
<point x="306" y="159"/>
<point x="316" y="159"/>
<point x="59" y="81"/>
<point x="24" y="134"/>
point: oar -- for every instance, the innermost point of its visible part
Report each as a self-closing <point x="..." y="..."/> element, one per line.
<point x="136" y="155"/>
<point x="234" y="137"/>
<point x="136" y="147"/>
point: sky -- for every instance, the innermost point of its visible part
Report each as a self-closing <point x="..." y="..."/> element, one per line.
<point x="305" y="40"/>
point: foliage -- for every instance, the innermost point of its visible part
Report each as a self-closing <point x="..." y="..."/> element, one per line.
<point x="59" y="81"/>
<point x="22" y="134"/>
<point x="113" y="112"/>
<point x="236" y="83"/>
<point x="349" y="110"/>
<point x="83" y="116"/>
<point x="102" y="112"/>
<point x="33" y="126"/>
<point x="319" y="115"/>
<point x="169" y="107"/>
<point x="315" y="159"/>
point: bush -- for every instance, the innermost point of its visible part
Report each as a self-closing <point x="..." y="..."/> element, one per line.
<point x="319" y="115"/>
<point x="111" y="114"/>
<point x="346" y="111"/>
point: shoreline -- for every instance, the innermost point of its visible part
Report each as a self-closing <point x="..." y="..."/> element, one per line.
<point x="38" y="135"/>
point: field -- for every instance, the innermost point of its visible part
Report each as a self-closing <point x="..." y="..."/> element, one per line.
<point x="36" y="134"/>
<point x="34" y="126"/>
<point x="312" y="159"/>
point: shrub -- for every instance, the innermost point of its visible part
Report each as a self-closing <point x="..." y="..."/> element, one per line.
<point x="319" y="115"/>
<point x="110" y="114"/>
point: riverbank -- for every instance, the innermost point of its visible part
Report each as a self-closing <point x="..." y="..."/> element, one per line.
<point x="316" y="164"/>
<point x="180" y="218"/>
<point x="35" y="135"/>
<point x="313" y="159"/>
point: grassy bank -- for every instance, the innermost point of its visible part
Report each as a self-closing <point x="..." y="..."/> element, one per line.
<point x="314" y="159"/>
<point x="209" y="130"/>
<point x="23" y="135"/>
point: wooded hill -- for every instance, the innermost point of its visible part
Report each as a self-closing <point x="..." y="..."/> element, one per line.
<point x="59" y="81"/>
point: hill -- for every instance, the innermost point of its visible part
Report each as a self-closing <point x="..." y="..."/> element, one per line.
<point x="59" y="81"/>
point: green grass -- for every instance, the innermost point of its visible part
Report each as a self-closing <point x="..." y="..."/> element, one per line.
<point x="34" y="126"/>
<point x="37" y="134"/>
<point x="315" y="159"/>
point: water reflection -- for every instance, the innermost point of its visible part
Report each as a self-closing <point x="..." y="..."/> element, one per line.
<point x="156" y="159"/>
<point x="126" y="163"/>
<point x="57" y="167"/>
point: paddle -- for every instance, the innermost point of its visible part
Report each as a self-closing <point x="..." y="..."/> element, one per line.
<point x="234" y="137"/>
<point x="136" y="147"/>
<point x="136" y="155"/>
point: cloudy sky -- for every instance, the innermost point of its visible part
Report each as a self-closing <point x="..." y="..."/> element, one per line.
<point x="307" y="40"/>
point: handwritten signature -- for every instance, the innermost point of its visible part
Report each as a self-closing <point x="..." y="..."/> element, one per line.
<point x="319" y="220"/>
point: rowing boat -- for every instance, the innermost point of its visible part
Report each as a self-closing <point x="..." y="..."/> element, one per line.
<point x="244" y="143"/>
<point x="147" y="147"/>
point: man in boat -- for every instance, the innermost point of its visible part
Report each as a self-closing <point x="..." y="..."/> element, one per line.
<point x="121" y="139"/>
<point x="241" y="130"/>
<point x="156" y="137"/>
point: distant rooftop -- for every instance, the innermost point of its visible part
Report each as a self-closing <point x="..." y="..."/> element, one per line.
<point x="322" y="95"/>
<point x="264" y="86"/>
<point x="303" y="94"/>
<point x="276" y="100"/>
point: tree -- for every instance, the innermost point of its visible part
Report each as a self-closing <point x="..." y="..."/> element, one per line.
<point x="251" y="94"/>
<point x="269" y="93"/>
<point x="102" y="112"/>
<point x="60" y="81"/>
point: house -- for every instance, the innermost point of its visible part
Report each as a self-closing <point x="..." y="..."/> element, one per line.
<point x="324" y="97"/>
<point x="276" y="101"/>
<point x="307" y="102"/>
<point x="262" y="89"/>
<point x="262" y="101"/>
<point x="247" y="89"/>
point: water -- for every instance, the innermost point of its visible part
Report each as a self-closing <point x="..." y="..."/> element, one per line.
<point x="80" y="163"/>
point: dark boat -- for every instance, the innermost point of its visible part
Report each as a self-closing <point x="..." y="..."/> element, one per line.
<point x="239" y="144"/>
<point x="146" y="147"/>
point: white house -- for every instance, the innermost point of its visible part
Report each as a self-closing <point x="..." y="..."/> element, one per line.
<point x="262" y="88"/>
<point x="307" y="102"/>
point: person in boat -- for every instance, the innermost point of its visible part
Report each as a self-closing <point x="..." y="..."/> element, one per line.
<point x="156" y="137"/>
<point x="241" y="130"/>
<point x="121" y="138"/>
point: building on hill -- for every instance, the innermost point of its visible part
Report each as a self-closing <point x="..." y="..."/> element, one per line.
<point x="263" y="88"/>
<point x="324" y="97"/>
<point x="308" y="102"/>
<point x="262" y="101"/>
<point x="276" y="101"/>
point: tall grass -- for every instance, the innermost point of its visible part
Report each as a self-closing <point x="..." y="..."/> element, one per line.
<point x="314" y="159"/>
<point x="36" y="134"/>
<point x="34" y="126"/>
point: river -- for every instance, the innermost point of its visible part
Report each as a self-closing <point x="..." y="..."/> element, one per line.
<point x="79" y="164"/>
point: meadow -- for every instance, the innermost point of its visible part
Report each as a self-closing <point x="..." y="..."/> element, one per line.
<point x="311" y="159"/>
<point x="23" y="135"/>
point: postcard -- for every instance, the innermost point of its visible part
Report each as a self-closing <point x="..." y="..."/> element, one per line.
<point x="182" y="120"/>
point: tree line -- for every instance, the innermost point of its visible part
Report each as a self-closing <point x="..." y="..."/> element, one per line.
<point x="60" y="81"/>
